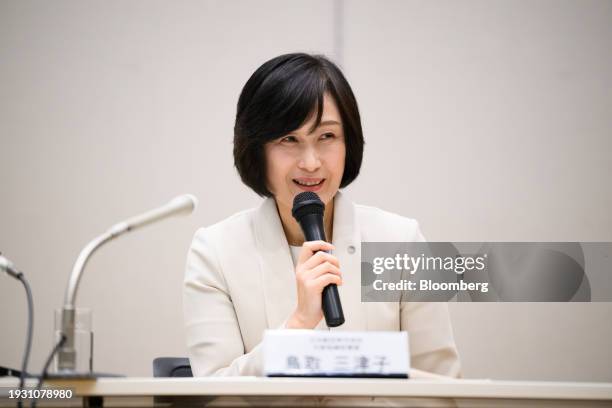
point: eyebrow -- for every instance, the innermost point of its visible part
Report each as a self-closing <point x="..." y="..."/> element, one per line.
<point x="329" y="122"/>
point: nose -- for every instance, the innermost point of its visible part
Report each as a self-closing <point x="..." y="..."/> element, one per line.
<point x="309" y="160"/>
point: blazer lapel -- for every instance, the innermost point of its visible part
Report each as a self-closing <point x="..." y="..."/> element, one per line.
<point x="347" y="241"/>
<point x="275" y="263"/>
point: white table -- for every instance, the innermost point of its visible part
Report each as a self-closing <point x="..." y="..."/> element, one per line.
<point x="296" y="391"/>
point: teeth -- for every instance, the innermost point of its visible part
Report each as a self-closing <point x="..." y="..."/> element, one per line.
<point x="308" y="184"/>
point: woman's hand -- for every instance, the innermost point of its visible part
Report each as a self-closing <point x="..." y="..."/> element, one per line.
<point x="314" y="271"/>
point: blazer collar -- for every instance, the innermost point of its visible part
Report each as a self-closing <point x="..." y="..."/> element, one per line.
<point x="276" y="264"/>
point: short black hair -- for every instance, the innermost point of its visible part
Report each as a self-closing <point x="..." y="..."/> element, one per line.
<point x="279" y="98"/>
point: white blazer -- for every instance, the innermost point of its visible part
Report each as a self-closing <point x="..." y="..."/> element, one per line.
<point x="240" y="280"/>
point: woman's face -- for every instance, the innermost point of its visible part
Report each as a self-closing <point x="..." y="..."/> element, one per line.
<point x="308" y="161"/>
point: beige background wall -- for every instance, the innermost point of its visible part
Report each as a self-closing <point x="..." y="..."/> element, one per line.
<point x="485" y="120"/>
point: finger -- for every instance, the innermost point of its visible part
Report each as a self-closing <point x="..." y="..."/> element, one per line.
<point x="319" y="258"/>
<point x="309" y="248"/>
<point x="322" y="269"/>
<point x="322" y="281"/>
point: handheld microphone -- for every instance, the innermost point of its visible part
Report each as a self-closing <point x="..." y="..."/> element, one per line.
<point x="308" y="211"/>
<point x="184" y="204"/>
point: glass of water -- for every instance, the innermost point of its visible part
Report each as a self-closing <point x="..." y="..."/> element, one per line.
<point x="82" y="349"/>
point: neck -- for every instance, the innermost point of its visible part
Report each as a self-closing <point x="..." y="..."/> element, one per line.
<point x="293" y="231"/>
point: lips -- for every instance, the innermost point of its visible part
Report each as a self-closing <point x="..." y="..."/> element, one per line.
<point x="309" y="183"/>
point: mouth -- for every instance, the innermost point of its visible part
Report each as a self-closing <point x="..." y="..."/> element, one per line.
<point x="309" y="184"/>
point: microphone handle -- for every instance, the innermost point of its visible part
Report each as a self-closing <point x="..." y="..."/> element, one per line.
<point x="312" y="226"/>
<point x="332" y="308"/>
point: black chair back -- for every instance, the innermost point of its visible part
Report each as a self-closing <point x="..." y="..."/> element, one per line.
<point x="172" y="367"/>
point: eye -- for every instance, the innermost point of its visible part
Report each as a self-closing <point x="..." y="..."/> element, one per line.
<point x="326" y="136"/>
<point x="288" y="139"/>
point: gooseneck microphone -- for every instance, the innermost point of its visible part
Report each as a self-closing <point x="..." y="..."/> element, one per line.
<point x="184" y="204"/>
<point x="7" y="266"/>
<point x="308" y="211"/>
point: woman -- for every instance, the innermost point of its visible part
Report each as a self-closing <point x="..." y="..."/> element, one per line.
<point x="297" y="129"/>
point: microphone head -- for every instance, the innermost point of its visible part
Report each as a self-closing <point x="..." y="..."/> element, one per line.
<point x="193" y="200"/>
<point x="185" y="204"/>
<point x="8" y="267"/>
<point x="306" y="203"/>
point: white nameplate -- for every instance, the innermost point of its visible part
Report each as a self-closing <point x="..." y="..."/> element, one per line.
<point x="319" y="353"/>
